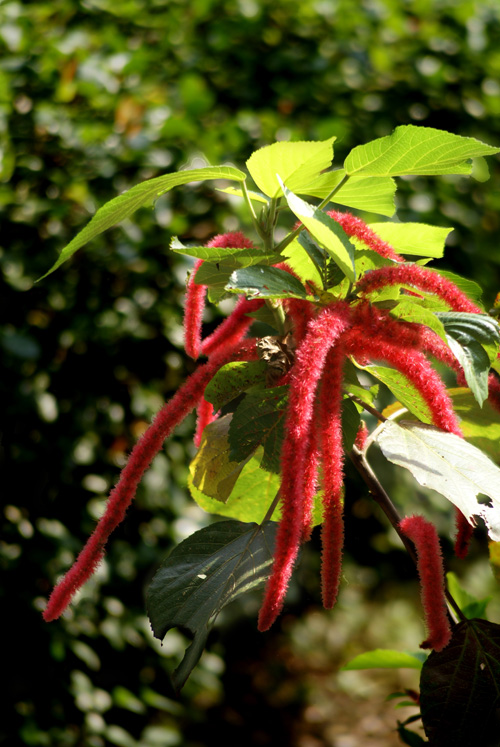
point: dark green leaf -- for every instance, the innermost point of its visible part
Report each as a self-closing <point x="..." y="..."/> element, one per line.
<point x="468" y="335"/>
<point x="202" y="575"/>
<point x="122" y="207"/>
<point x="460" y="688"/>
<point x="410" y="737"/>
<point x="265" y="282"/>
<point x="232" y="379"/>
<point x="350" y="423"/>
<point x="258" y="420"/>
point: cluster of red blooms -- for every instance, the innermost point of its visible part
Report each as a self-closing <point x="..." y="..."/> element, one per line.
<point x="324" y="336"/>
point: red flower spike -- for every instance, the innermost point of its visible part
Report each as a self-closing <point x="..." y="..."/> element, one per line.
<point x="464" y="535"/>
<point x="195" y="294"/>
<point x="300" y="312"/>
<point x="310" y="358"/>
<point x="414" y="366"/>
<point x="205" y="416"/>
<point x="420" y="278"/>
<point x="233" y="328"/>
<point x="431" y="572"/>
<point x="312" y="458"/>
<point x="143" y="453"/>
<point x="361" y="436"/>
<point x="193" y="313"/>
<point x="332" y="528"/>
<point x="356" y="227"/>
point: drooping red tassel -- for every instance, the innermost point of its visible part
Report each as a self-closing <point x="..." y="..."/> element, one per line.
<point x="431" y="572"/>
<point x="143" y="453"/>
<point x="356" y="227"/>
<point x="310" y="358"/>
<point x="464" y="534"/>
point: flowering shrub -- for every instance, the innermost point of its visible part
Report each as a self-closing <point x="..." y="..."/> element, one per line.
<point x="279" y="413"/>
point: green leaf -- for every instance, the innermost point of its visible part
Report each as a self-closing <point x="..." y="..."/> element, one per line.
<point x="306" y="259"/>
<point x="473" y="339"/>
<point x="413" y="238"/>
<point x="216" y="278"/>
<point x="258" y="420"/>
<point x="448" y="464"/>
<point x="470" y="606"/>
<point x="122" y="207"/>
<point x="460" y="688"/>
<point x="265" y="282"/>
<point x="471" y="289"/>
<point x="232" y="379"/>
<point x="416" y="150"/>
<point x="255" y="196"/>
<point x="384" y="658"/>
<point x="251" y="496"/>
<point x="350" y="423"/>
<point x="297" y="164"/>
<point x="373" y="194"/>
<point x="326" y="231"/>
<point x="409" y="737"/>
<point x="480" y="425"/>
<point x="204" y="574"/>
<point x="212" y="470"/>
<point x="411" y="310"/>
<point x="228" y="257"/>
<point x="403" y="390"/>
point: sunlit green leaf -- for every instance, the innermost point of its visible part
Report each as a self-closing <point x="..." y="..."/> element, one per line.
<point x="122" y="207"/>
<point x="232" y="379"/>
<point x="265" y="282"/>
<point x="413" y="238"/>
<point x="372" y="194"/>
<point x="384" y="658"/>
<point x="298" y="163"/>
<point x="416" y="150"/>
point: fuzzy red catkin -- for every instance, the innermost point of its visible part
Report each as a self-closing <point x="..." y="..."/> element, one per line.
<point x="308" y="367"/>
<point x="312" y="459"/>
<point x="233" y="328"/>
<point x="332" y="528"/>
<point x="414" y="366"/>
<point x="431" y="572"/>
<point x="360" y="230"/>
<point x="195" y="293"/>
<point x="143" y="453"/>
<point x="421" y="278"/>
<point x="204" y="416"/>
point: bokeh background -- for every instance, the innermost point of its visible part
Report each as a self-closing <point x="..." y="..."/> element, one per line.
<point x="96" y="96"/>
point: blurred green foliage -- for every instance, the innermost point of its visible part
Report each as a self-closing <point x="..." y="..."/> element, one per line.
<point x="94" y="97"/>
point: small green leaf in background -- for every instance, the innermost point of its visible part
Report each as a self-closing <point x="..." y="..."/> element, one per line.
<point x="471" y="289"/>
<point x="410" y="737"/>
<point x="306" y="259"/>
<point x="201" y="576"/>
<point x="416" y="150"/>
<point x="297" y="163"/>
<point x="265" y="282"/>
<point x="216" y="277"/>
<point x="413" y="238"/>
<point x="384" y="658"/>
<point x="326" y="231"/>
<point x="232" y="379"/>
<point x="494" y="553"/>
<point x="410" y="309"/>
<point x="448" y="464"/>
<point x="460" y="688"/>
<point x="470" y="606"/>
<point x="124" y="205"/>
<point x="255" y="196"/>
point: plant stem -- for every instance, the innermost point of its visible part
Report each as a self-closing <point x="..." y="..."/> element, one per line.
<point x="270" y="511"/>
<point x="380" y="497"/>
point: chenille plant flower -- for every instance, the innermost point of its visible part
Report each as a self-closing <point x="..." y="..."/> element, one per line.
<point x="281" y="402"/>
